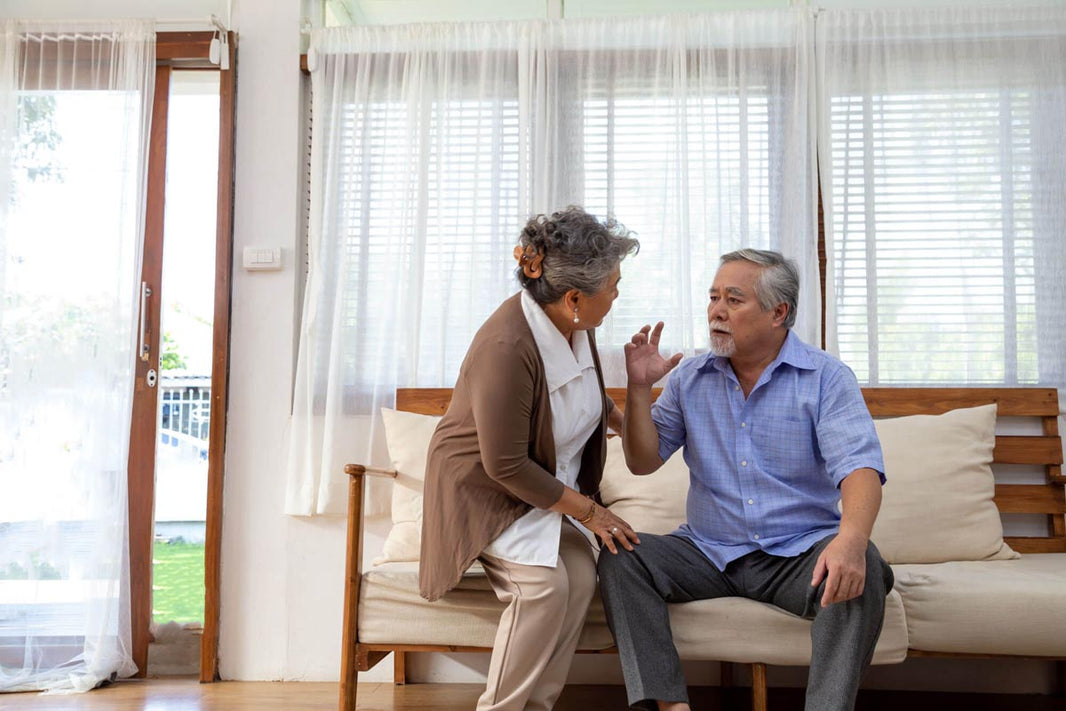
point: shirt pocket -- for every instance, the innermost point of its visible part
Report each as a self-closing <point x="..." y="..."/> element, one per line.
<point x="784" y="447"/>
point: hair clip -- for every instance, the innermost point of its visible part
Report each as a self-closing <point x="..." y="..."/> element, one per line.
<point x="529" y="259"/>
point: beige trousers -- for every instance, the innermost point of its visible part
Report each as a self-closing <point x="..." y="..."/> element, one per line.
<point x="539" y="630"/>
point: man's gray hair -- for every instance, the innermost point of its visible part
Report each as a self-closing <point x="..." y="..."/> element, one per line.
<point x="778" y="281"/>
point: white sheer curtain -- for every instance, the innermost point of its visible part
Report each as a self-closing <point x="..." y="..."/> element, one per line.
<point x="75" y="104"/>
<point x="941" y="139"/>
<point x="432" y="144"/>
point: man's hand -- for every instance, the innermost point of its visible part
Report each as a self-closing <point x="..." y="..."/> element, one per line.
<point x="844" y="559"/>
<point x="644" y="365"/>
<point x="842" y="565"/>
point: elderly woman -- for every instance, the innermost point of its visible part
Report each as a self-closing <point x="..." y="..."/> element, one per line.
<point x="520" y="452"/>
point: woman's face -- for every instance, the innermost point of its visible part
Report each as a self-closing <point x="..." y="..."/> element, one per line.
<point x="592" y="309"/>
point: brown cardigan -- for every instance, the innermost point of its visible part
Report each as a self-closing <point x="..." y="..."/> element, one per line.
<point x="492" y="457"/>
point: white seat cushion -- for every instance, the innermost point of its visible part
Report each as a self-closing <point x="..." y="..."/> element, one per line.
<point x="733" y="629"/>
<point x="987" y="607"/>
<point x="726" y="629"/>
<point x="391" y="611"/>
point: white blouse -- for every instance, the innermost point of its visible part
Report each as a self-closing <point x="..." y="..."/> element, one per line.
<point x="576" y="407"/>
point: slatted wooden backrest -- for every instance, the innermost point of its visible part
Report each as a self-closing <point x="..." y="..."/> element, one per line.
<point x="1041" y="404"/>
<point x="1047" y="498"/>
<point x="423" y="401"/>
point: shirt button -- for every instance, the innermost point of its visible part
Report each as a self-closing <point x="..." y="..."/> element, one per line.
<point x="743" y="424"/>
<point x="744" y="463"/>
<point x="736" y="387"/>
<point x="756" y="536"/>
<point x="751" y="501"/>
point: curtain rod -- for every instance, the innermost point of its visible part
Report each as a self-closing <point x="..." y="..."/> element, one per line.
<point x="219" y="49"/>
<point x="209" y="20"/>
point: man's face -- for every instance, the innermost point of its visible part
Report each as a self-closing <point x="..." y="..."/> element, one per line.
<point x="738" y="324"/>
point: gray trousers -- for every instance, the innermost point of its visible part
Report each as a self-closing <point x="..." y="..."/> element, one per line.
<point x="637" y="585"/>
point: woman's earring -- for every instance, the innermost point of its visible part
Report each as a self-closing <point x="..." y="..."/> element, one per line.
<point x="576" y="320"/>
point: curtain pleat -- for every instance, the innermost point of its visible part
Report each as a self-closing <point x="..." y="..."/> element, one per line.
<point x="75" y="107"/>
<point x="942" y="171"/>
<point x="434" y="143"/>
<point x="937" y="133"/>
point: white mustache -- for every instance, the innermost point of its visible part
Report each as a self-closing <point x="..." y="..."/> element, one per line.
<point x="721" y="328"/>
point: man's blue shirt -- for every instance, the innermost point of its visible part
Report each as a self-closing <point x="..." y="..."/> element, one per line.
<point x="765" y="472"/>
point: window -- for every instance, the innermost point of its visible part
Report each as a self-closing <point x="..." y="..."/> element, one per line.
<point x="942" y="156"/>
<point x="433" y="144"/>
<point x="693" y="178"/>
<point x="437" y="155"/>
<point x="934" y="225"/>
<point x="428" y="205"/>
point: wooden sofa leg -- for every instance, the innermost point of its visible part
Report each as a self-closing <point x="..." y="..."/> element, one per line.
<point x="758" y="687"/>
<point x="349" y="683"/>
<point x="352" y="576"/>
<point x="725" y="674"/>
<point x="348" y="687"/>
<point x="399" y="668"/>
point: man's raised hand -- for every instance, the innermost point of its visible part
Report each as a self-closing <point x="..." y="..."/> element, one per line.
<point x="644" y="365"/>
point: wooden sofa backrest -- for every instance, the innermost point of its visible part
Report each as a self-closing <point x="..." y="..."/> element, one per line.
<point x="1047" y="498"/>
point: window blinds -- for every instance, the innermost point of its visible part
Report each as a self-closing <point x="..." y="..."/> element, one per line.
<point x="934" y="250"/>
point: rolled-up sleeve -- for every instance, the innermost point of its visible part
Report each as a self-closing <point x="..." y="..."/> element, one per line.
<point x="500" y="381"/>
<point x="846" y="434"/>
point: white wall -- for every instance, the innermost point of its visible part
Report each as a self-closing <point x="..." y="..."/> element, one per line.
<point x="282" y="577"/>
<point x="257" y="546"/>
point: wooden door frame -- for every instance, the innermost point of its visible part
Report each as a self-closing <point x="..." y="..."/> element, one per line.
<point x="216" y="465"/>
<point x="185" y="50"/>
<point x="140" y="472"/>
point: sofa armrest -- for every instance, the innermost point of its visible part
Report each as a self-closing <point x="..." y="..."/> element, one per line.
<point x="353" y="572"/>
<point x="358" y="470"/>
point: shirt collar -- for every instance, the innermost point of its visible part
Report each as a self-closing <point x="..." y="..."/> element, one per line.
<point x="793" y="352"/>
<point x="561" y="362"/>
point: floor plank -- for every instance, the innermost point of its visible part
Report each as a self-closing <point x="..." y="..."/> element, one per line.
<point x="189" y="695"/>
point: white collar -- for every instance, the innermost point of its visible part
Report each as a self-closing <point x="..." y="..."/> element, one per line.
<point x="561" y="362"/>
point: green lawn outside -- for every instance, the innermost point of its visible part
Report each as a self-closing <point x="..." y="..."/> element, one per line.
<point x="178" y="582"/>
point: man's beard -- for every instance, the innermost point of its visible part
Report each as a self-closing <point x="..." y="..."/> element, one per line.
<point x="722" y="344"/>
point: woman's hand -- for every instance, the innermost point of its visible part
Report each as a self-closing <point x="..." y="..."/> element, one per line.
<point x="611" y="529"/>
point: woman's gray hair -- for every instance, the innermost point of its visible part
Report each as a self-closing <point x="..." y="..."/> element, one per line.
<point x="778" y="281"/>
<point x="580" y="252"/>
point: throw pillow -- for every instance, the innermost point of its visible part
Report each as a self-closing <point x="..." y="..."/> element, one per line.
<point x="937" y="500"/>
<point x="407" y="436"/>
<point x="653" y="503"/>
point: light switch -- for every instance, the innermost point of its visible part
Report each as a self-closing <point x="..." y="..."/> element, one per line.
<point x="262" y="259"/>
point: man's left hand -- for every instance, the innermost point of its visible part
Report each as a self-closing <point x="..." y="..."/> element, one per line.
<point x="842" y="565"/>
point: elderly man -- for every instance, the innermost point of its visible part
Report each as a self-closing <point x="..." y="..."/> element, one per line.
<point x="786" y="476"/>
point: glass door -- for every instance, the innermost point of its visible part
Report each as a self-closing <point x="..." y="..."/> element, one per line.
<point x="185" y="369"/>
<point x="82" y="315"/>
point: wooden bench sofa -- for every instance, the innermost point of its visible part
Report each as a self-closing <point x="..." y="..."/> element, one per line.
<point x="908" y="629"/>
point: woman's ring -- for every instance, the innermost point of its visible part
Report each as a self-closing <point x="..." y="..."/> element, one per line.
<point x="614" y="529"/>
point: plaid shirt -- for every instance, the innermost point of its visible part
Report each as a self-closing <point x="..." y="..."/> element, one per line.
<point x="765" y="471"/>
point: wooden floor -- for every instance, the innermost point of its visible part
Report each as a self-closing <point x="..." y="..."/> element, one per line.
<point x="189" y="695"/>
